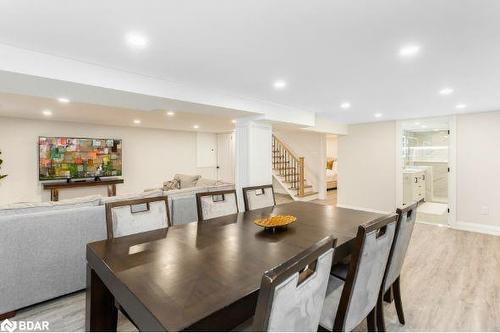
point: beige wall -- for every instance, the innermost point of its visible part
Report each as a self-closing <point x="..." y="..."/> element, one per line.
<point x="366" y="167"/>
<point x="149" y="156"/>
<point x="478" y="168"/>
<point x="331" y="147"/>
<point x="367" y="172"/>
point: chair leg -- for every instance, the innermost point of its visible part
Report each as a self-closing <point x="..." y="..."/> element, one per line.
<point x="397" y="301"/>
<point x="372" y="321"/>
<point x="388" y="296"/>
<point x="380" y="314"/>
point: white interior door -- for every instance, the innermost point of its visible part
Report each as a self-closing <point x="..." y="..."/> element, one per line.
<point x="225" y="157"/>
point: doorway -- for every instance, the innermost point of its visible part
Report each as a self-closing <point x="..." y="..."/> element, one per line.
<point x="225" y="157"/>
<point x="425" y="162"/>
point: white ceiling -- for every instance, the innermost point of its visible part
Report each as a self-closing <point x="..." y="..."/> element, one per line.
<point x="328" y="51"/>
<point x="30" y="107"/>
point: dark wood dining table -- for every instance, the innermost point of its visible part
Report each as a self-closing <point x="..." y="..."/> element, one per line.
<point x="203" y="276"/>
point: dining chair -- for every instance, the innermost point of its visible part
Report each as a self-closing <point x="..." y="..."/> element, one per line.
<point x="256" y="197"/>
<point x="349" y="302"/>
<point x="129" y="217"/>
<point x="391" y="282"/>
<point x="216" y="204"/>
<point x="291" y="295"/>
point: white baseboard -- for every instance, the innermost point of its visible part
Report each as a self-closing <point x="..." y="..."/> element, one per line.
<point x="364" y="209"/>
<point x="475" y="227"/>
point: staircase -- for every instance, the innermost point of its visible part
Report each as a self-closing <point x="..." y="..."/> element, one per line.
<point x="288" y="170"/>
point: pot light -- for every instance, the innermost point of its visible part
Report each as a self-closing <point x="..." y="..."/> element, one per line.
<point x="170" y="113"/>
<point x="136" y="40"/>
<point x="446" y="91"/>
<point x="377" y="115"/>
<point x="47" y="113"/>
<point x="461" y="106"/>
<point x="63" y="100"/>
<point x="137" y="121"/>
<point x="417" y="123"/>
<point x="409" y="50"/>
<point x="345" y="105"/>
<point x="233" y="121"/>
<point x="279" y="84"/>
<point x="196" y="126"/>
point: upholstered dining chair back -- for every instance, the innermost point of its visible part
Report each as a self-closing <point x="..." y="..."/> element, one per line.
<point x="256" y="197"/>
<point x="404" y="229"/>
<point x="135" y="216"/>
<point x="291" y="295"/>
<point x="366" y="272"/>
<point x="216" y="204"/>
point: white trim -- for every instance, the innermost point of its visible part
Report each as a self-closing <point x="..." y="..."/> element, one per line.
<point x="364" y="209"/>
<point x="475" y="227"/>
<point x="399" y="164"/>
<point x="452" y="175"/>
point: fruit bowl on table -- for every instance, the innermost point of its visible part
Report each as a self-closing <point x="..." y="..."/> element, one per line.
<point x="275" y="223"/>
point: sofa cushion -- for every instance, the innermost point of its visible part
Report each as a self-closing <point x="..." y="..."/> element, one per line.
<point x="40" y="207"/>
<point x="132" y="196"/>
<point x="206" y="182"/>
<point x="187" y="180"/>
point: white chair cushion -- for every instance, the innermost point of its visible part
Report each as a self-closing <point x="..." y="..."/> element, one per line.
<point x="126" y="223"/>
<point x="298" y="308"/>
<point x="211" y="209"/>
<point x="256" y="201"/>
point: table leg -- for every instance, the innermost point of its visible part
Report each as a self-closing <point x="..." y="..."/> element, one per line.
<point x="101" y="313"/>
<point x="54" y="194"/>
<point x="112" y="190"/>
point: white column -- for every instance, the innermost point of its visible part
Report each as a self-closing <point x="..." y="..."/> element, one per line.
<point x="253" y="155"/>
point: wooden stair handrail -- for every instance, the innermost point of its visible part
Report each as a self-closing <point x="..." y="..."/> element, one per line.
<point x="288" y="161"/>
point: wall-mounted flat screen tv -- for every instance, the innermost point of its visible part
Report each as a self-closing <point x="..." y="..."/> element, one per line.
<point x="77" y="158"/>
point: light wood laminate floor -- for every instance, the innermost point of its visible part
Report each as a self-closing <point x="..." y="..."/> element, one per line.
<point x="450" y="282"/>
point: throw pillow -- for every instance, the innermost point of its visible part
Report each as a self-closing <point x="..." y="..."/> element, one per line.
<point x="187" y="180"/>
<point x="171" y="185"/>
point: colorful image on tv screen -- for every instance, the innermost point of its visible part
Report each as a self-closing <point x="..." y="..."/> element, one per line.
<point x="79" y="158"/>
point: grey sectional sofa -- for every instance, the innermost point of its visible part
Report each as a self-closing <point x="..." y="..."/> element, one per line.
<point x="42" y="253"/>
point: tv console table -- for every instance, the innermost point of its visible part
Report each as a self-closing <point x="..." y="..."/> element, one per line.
<point x="55" y="187"/>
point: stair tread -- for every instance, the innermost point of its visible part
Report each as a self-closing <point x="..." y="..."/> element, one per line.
<point x="306" y="194"/>
<point x="295" y="188"/>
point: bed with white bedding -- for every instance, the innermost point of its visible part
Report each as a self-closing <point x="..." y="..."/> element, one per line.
<point x="331" y="174"/>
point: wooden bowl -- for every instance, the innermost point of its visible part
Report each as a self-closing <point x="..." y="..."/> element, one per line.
<point x="275" y="222"/>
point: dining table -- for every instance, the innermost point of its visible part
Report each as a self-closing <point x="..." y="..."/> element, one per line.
<point x="204" y="276"/>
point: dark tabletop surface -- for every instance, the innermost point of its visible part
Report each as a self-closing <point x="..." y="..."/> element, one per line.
<point x="183" y="274"/>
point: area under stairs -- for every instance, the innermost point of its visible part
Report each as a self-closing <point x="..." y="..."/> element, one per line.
<point x="288" y="170"/>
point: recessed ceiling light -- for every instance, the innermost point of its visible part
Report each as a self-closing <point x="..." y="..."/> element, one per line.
<point x="170" y="113"/>
<point x="424" y="126"/>
<point x="137" y="121"/>
<point x="409" y="50"/>
<point x="63" y="100"/>
<point x="377" y="115"/>
<point x="136" y="40"/>
<point x="47" y="113"/>
<point x="417" y="123"/>
<point x="461" y="106"/>
<point x="279" y="84"/>
<point x="233" y="121"/>
<point x="345" y="105"/>
<point x="196" y="126"/>
<point x="446" y="91"/>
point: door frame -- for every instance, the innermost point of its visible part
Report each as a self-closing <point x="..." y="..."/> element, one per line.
<point x="452" y="164"/>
